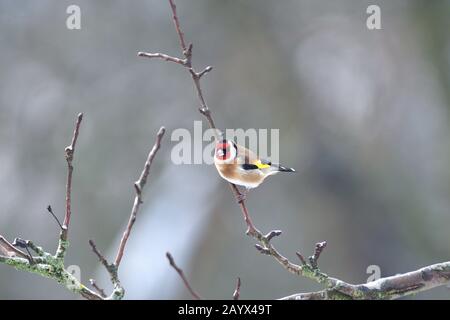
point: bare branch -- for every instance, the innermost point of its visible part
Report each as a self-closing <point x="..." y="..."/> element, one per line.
<point x="25" y="244"/>
<point x="70" y="151"/>
<point x="187" y="62"/>
<point x="393" y="287"/>
<point x="237" y="291"/>
<point x="302" y="259"/>
<point x="53" y="266"/>
<point x="182" y="276"/>
<point x="139" y="186"/>
<point x="317" y="251"/>
<point x="112" y="269"/>
<point x="251" y="229"/>
<point x="162" y="56"/>
<point x="97" y="288"/>
<point x="262" y="249"/>
<point x="8" y="250"/>
<point x="205" y="71"/>
<point x="177" y="26"/>
<point x="317" y="295"/>
<point x="272" y="234"/>
<point x="50" y="210"/>
<point x="100" y="256"/>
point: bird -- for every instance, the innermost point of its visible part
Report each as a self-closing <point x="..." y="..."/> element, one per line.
<point x="240" y="166"/>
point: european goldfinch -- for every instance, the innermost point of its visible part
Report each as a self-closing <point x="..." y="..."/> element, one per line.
<point x="242" y="167"/>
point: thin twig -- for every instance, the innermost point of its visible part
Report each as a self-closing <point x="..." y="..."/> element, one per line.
<point x="177" y="25"/>
<point x="139" y="186"/>
<point x="272" y="234"/>
<point x="113" y="268"/>
<point x="237" y="291"/>
<point x="182" y="276"/>
<point x="205" y="71"/>
<point x="100" y="256"/>
<point x="162" y="56"/>
<point x="301" y="258"/>
<point x="8" y="250"/>
<point x="97" y="288"/>
<point x="28" y="244"/>
<point x="70" y="151"/>
<point x="49" y="209"/>
<point x="317" y="251"/>
<point x="251" y="229"/>
<point x="187" y="62"/>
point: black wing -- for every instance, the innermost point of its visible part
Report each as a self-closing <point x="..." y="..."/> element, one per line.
<point x="248" y="166"/>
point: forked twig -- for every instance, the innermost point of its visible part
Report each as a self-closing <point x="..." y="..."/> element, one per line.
<point x="182" y="276"/>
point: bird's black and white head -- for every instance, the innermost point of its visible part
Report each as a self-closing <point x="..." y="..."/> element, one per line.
<point x="226" y="152"/>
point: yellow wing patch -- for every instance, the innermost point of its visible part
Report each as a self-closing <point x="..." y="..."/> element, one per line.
<point x="261" y="165"/>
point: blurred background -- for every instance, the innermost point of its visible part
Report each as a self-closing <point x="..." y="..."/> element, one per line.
<point x="363" y="117"/>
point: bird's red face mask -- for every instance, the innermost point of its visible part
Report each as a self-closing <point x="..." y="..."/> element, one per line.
<point x="223" y="151"/>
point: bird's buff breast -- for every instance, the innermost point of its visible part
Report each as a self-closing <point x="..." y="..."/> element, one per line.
<point x="249" y="179"/>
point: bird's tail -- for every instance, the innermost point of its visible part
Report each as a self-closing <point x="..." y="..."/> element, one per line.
<point x="283" y="169"/>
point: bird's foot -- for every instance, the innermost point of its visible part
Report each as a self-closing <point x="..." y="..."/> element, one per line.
<point x="241" y="196"/>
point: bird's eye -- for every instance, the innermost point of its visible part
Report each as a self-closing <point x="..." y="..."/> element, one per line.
<point x="222" y="151"/>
